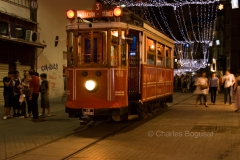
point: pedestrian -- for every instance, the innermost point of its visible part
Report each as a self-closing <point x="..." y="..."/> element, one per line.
<point x="200" y="96"/>
<point x="236" y="90"/>
<point x="214" y="86"/>
<point x="201" y="88"/>
<point x="176" y="81"/>
<point x="34" y="94"/>
<point x="182" y="78"/>
<point x="184" y="83"/>
<point x="228" y="81"/>
<point x="179" y="83"/>
<point x="16" y="90"/>
<point x="26" y="89"/>
<point x="22" y="104"/>
<point x="44" y="89"/>
<point x="188" y="79"/>
<point x="8" y="94"/>
<point x="193" y="82"/>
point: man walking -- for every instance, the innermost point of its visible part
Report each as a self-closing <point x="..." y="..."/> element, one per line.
<point x="228" y="81"/>
<point x="34" y="94"/>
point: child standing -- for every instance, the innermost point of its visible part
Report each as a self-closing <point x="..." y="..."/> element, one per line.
<point x="44" y="89"/>
<point x="22" y="104"/>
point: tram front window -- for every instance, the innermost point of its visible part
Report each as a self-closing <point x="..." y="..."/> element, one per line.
<point x="93" y="51"/>
<point x="88" y="57"/>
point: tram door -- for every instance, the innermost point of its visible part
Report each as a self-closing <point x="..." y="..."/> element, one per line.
<point x="134" y="74"/>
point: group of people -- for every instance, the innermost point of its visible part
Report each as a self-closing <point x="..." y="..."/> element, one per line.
<point x="183" y="82"/>
<point x="20" y="94"/>
<point x="230" y="83"/>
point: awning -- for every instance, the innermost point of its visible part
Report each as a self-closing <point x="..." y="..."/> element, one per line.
<point x="22" y="41"/>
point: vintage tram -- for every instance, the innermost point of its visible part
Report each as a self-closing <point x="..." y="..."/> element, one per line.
<point x="117" y="67"/>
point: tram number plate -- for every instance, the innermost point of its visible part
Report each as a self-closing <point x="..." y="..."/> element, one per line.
<point x="88" y="111"/>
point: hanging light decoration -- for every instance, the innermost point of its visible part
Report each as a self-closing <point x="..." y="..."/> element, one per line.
<point x="157" y="3"/>
<point x="202" y="29"/>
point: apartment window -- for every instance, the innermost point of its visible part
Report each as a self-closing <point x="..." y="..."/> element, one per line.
<point x="23" y="3"/>
<point x="3" y="28"/>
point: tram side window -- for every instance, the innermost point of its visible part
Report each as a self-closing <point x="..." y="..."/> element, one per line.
<point x="160" y="55"/>
<point x="168" y="57"/>
<point x="151" y="51"/>
<point x="114" y="51"/>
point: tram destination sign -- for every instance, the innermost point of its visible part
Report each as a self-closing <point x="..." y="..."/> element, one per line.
<point x="97" y="12"/>
<point x="92" y="14"/>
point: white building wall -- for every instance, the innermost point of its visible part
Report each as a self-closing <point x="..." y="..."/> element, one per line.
<point x="22" y="12"/>
<point x="52" y="21"/>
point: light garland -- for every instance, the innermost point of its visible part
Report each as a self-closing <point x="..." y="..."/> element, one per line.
<point x="158" y="3"/>
<point x="157" y="21"/>
<point x="203" y="34"/>
<point x="190" y="15"/>
<point x="167" y="26"/>
<point x="151" y="20"/>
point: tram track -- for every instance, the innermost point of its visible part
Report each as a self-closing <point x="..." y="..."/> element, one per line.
<point x="113" y="133"/>
<point x="52" y="141"/>
<point x="91" y="144"/>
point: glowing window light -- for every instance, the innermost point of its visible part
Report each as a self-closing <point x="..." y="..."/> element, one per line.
<point x="234" y="4"/>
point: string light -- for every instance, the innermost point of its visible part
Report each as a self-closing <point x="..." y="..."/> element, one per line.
<point x="190" y="15"/>
<point x="151" y="20"/>
<point x="202" y="35"/>
<point x="167" y="26"/>
<point x="157" y="20"/>
<point x="180" y="26"/>
<point x="157" y="3"/>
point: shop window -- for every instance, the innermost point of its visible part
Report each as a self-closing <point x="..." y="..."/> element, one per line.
<point x="20" y="32"/>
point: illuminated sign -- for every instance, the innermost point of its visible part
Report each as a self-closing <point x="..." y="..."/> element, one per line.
<point x="92" y="14"/>
<point x="98" y="12"/>
<point x="234" y="4"/>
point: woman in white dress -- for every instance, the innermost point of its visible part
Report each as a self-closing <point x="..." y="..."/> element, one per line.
<point x="201" y="88"/>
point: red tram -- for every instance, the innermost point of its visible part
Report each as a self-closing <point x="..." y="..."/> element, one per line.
<point x="116" y="68"/>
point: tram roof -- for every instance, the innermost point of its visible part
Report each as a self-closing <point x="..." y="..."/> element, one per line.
<point x="103" y="25"/>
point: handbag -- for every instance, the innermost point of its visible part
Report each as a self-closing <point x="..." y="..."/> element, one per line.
<point x="204" y="87"/>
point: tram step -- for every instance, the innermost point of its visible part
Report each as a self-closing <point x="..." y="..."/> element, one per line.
<point x="132" y="117"/>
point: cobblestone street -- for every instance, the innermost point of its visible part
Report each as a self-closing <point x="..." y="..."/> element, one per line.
<point x="181" y="131"/>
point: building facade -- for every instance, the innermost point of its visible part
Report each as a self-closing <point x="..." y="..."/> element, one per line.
<point x="28" y="29"/>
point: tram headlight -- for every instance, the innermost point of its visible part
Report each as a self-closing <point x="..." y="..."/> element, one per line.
<point x="91" y="85"/>
<point x="117" y="11"/>
<point x="71" y="14"/>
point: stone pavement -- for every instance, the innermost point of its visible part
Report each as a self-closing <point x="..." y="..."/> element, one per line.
<point x="18" y="135"/>
<point x="181" y="132"/>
